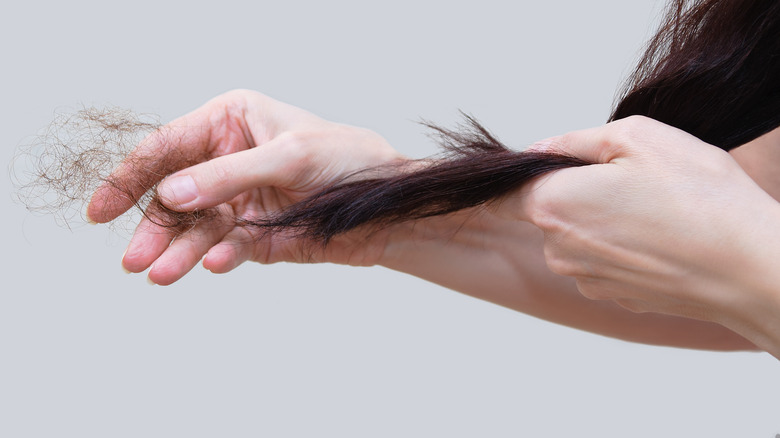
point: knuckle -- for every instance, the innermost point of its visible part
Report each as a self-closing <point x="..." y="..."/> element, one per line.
<point x="632" y="128"/>
<point x="298" y="148"/>
<point x="633" y="122"/>
<point x="241" y="93"/>
<point x="634" y="306"/>
<point x="560" y="265"/>
<point x="646" y="133"/>
<point x="542" y="213"/>
<point x="221" y="174"/>
<point x="541" y="203"/>
<point x="591" y="290"/>
<point x="294" y="142"/>
<point x="637" y="119"/>
<point x="566" y="139"/>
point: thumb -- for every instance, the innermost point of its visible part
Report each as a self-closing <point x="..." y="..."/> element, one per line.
<point x="221" y="179"/>
<point x="541" y="198"/>
<point x="598" y="145"/>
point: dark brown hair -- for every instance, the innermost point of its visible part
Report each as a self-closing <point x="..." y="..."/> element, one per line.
<point x="475" y="169"/>
<point x="712" y="69"/>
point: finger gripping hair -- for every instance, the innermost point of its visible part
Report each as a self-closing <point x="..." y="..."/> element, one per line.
<point x="477" y="169"/>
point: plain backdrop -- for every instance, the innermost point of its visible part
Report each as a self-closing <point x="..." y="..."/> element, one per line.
<point x="326" y="351"/>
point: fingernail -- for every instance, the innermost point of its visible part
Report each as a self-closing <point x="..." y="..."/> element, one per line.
<point x="89" y="219"/>
<point x="123" y="263"/>
<point x="178" y="190"/>
<point x="149" y="280"/>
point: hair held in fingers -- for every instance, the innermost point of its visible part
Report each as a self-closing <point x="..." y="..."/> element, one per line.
<point x="710" y="70"/>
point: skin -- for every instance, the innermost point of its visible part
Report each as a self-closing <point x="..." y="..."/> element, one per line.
<point x="534" y="252"/>
<point x="666" y="224"/>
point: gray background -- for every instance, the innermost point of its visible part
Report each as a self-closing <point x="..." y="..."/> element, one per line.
<point x="291" y="350"/>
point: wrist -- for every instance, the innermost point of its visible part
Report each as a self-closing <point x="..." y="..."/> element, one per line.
<point x="758" y="319"/>
<point x="755" y="310"/>
<point x="420" y="245"/>
<point x="409" y="240"/>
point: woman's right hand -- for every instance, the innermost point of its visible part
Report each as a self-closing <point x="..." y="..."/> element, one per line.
<point x="247" y="155"/>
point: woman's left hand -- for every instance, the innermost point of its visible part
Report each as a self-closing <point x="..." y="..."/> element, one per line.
<point x="664" y="223"/>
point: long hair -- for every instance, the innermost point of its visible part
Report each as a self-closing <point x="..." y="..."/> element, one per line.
<point x="712" y="69"/>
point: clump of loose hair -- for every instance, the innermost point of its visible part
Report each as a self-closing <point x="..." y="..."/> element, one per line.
<point x="57" y="173"/>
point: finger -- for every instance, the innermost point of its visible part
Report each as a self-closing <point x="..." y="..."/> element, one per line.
<point x="596" y="145"/>
<point x="276" y="163"/>
<point x="187" y="250"/>
<point x="603" y="145"/>
<point x="148" y="243"/>
<point x="177" y="145"/>
<point x="629" y="137"/>
<point x="244" y="118"/>
<point x="237" y="247"/>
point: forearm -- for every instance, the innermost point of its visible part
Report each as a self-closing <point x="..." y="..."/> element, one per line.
<point x="502" y="261"/>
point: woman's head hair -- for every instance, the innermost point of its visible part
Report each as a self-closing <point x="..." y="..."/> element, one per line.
<point x="712" y="69"/>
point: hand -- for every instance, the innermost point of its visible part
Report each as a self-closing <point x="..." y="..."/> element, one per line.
<point x="666" y="223"/>
<point x="247" y="155"/>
